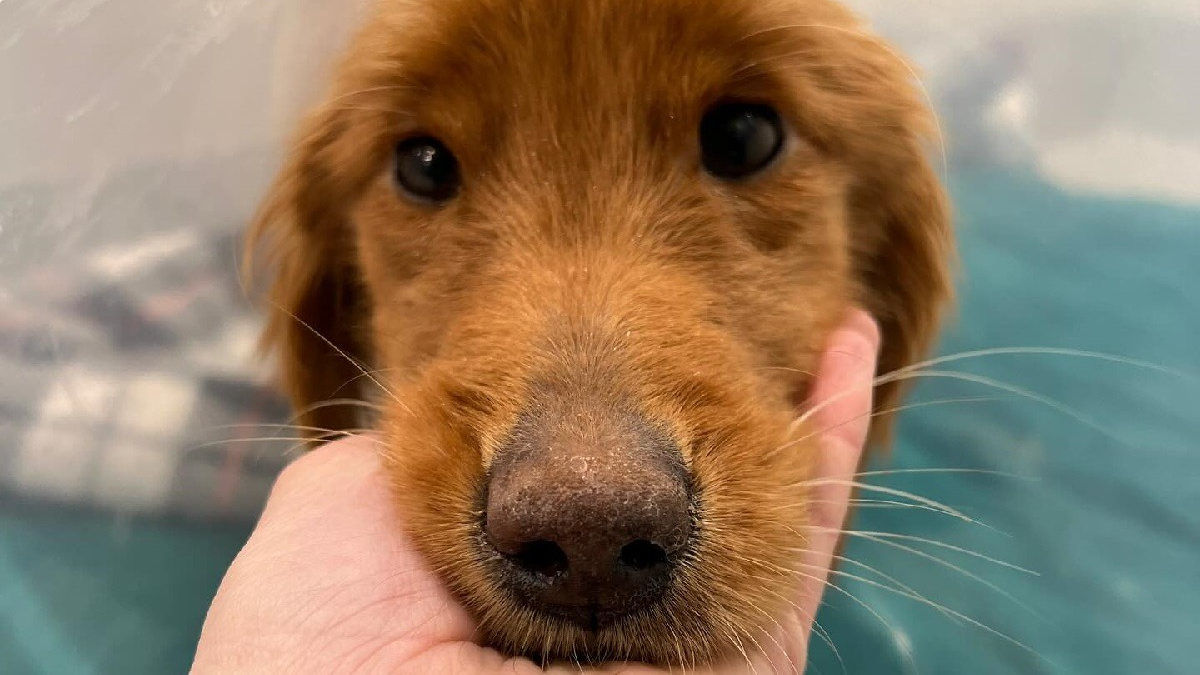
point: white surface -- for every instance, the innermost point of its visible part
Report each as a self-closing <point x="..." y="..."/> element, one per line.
<point x="97" y="85"/>
<point x="1101" y="94"/>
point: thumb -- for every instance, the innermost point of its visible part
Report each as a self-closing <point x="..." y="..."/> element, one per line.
<point x="841" y="399"/>
<point x="841" y="416"/>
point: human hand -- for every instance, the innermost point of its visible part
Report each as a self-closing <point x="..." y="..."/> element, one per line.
<point x="329" y="584"/>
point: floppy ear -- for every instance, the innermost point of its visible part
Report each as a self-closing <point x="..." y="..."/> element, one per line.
<point x="300" y="244"/>
<point x="904" y="253"/>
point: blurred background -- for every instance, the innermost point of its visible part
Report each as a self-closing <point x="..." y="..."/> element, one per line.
<point x="135" y="449"/>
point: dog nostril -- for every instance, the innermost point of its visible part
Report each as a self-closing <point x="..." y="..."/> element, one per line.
<point x="544" y="558"/>
<point x="642" y="555"/>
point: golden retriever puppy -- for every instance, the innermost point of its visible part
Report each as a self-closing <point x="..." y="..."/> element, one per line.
<point x="580" y="258"/>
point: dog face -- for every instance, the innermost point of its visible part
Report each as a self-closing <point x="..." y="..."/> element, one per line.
<point x="590" y="252"/>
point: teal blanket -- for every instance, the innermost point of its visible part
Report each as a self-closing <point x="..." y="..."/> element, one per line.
<point x="1095" y="488"/>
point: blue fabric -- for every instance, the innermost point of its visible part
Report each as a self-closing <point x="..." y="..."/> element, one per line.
<point x="91" y="595"/>
<point x="1104" y="508"/>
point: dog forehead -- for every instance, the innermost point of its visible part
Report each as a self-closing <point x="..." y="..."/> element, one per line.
<point x="535" y="34"/>
<point x="536" y="53"/>
<point x="542" y="74"/>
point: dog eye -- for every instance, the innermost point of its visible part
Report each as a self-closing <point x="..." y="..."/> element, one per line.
<point x="426" y="169"/>
<point x="739" y="139"/>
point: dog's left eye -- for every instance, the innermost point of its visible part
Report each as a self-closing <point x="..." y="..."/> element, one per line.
<point x="426" y="169"/>
<point x="739" y="139"/>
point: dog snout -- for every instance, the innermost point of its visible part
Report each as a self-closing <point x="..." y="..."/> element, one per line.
<point x="590" y="511"/>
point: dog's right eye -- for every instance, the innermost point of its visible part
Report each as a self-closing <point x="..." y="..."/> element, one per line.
<point x="426" y="169"/>
<point x="738" y="140"/>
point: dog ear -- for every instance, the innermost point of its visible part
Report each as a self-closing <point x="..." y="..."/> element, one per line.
<point x="903" y="246"/>
<point x="300" y="245"/>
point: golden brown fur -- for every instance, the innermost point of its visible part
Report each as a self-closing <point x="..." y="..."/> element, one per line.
<point x="588" y="249"/>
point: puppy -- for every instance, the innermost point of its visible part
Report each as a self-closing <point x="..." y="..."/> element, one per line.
<point x="582" y="256"/>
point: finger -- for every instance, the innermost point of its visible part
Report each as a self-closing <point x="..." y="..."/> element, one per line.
<point x="842" y="398"/>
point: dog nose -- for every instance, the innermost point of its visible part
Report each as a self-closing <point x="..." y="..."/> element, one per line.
<point x="590" y="513"/>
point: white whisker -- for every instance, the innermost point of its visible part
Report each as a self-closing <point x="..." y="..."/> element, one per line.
<point x="887" y="577"/>
<point x="956" y="568"/>
<point x="877" y="413"/>
<point x="926" y="601"/>
<point x="816" y="482"/>
<point x="873" y="536"/>
<point x="891" y="504"/>
<point x="902" y="374"/>
<point x="884" y="622"/>
<point x="344" y="355"/>
<point x="1050" y="351"/>
<point x="259" y="439"/>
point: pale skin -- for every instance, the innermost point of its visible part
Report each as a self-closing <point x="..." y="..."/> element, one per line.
<point x="329" y="584"/>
